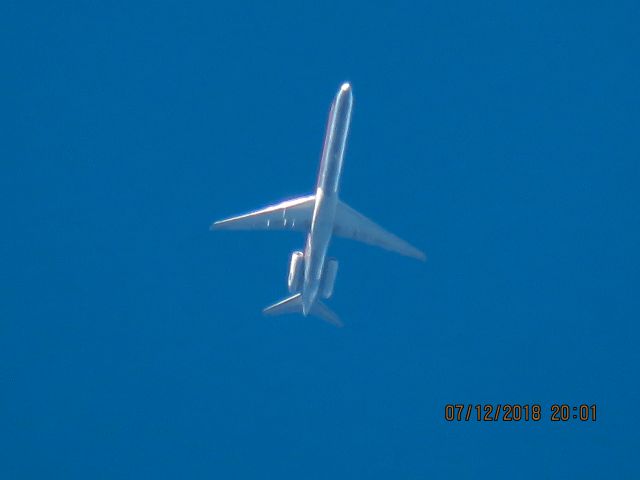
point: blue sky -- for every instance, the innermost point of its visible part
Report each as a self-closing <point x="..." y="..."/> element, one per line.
<point x="501" y="139"/>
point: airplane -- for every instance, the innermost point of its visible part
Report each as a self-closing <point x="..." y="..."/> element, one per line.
<point x="321" y="215"/>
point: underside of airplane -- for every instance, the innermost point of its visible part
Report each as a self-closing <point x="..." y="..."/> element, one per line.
<point x="322" y="215"/>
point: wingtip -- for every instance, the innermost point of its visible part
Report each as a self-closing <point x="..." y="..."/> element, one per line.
<point x="418" y="255"/>
<point x="268" y="311"/>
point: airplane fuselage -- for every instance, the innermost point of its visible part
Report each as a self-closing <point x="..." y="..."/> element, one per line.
<point x="320" y="216"/>
<point x="326" y="199"/>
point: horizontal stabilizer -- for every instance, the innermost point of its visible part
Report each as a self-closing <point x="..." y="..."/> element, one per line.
<point x="294" y="214"/>
<point x="293" y="304"/>
<point x="351" y="224"/>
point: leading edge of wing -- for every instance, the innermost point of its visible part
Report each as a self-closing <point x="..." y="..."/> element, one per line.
<point x="351" y="224"/>
<point x="294" y="214"/>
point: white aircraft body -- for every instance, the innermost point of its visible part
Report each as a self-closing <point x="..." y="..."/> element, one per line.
<point x="322" y="215"/>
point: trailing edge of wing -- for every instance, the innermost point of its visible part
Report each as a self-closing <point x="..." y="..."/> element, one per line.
<point x="351" y="224"/>
<point x="294" y="214"/>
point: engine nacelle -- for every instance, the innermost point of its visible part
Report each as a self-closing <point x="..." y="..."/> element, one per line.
<point x="296" y="272"/>
<point x="328" y="278"/>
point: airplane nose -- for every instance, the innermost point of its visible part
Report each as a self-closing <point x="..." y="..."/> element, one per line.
<point x="346" y="86"/>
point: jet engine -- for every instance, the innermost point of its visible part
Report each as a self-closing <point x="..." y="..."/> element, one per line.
<point x="328" y="278"/>
<point x="296" y="272"/>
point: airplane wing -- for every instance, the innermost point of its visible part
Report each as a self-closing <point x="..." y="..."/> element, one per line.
<point x="294" y="214"/>
<point x="351" y="224"/>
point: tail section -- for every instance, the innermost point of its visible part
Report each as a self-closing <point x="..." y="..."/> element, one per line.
<point x="320" y="310"/>
<point x="293" y="304"/>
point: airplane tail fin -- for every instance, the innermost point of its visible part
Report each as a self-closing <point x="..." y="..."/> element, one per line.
<point x="293" y="304"/>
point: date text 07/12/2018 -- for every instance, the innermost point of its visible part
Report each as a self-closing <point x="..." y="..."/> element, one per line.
<point x="460" y="412"/>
